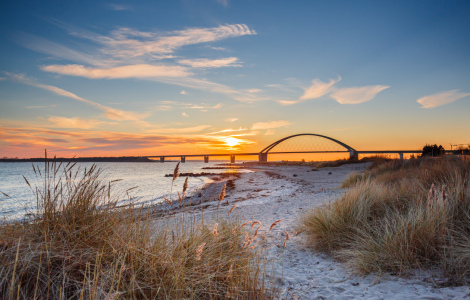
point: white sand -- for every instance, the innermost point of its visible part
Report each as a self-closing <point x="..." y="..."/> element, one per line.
<point x="267" y="197"/>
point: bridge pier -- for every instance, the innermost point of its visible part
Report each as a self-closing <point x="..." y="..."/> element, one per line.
<point x="353" y="155"/>
<point x="162" y="159"/>
<point x="206" y="159"/>
<point x="183" y="159"/>
<point x="263" y="157"/>
<point x="232" y="159"/>
<point x="401" y="155"/>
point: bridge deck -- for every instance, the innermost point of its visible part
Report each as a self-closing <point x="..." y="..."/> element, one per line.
<point x="293" y="152"/>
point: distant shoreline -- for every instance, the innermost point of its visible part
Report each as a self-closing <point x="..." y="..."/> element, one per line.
<point x="97" y="159"/>
<point x="83" y="159"/>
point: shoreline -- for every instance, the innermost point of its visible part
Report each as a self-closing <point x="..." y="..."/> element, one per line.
<point x="205" y="196"/>
<point x="273" y="192"/>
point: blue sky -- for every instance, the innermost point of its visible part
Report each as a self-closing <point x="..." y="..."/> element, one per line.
<point x="133" y="78"/>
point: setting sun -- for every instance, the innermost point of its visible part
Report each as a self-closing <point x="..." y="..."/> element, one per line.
<point x="232" y="141"/>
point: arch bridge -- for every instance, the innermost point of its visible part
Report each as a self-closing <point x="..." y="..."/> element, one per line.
<point x="322" y="144"/>
<point x="263" y="154"/>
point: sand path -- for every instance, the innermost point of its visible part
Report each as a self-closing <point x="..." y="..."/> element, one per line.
<point x="275" y="192"/>
<point x="284" y="192"/>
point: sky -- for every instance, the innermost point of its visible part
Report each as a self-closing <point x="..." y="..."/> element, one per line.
<point x="99" y="78"/>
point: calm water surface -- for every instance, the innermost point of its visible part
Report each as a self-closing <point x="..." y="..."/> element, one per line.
<point x="149" y="179"/>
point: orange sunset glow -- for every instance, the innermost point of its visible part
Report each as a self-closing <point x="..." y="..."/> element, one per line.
<point x="155" y="83"/>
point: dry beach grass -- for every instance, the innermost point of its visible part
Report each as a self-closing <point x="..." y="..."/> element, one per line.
<point x="397" y="216"/>
<point x="323" y="164"/>
<point x="80" y="246"/>
<point x="77" y="247"/>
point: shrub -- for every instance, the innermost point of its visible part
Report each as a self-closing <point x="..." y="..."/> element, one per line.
<point x="433" y="150"/>
<point x="397" y="216"/>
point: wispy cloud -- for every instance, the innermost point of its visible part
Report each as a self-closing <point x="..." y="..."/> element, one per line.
<point x="356" y="95"/>
<point x="76" y="122"/>
<point x="351" y="95"/>
<point x="35" y="130"/>
<point x="56" y="50"/>
<point x="119" y="7"/>
<point x="53" y="140"/>
<point x="270" y="125"/>
<point x="176" y="75"/>
<point x="131" y="71"/>
<point x="210" y="63"/>
<point x="217" y="48"/>
<point x="185" y="114"/>
<point x="228" y="130"/>
<point x="141" y="142"/>
<point x="288" y="102"/>
<point x="127" y="43"/>
<point x="270" y="132"/>
<point x="183" y="92"/>
<point x="110" y="113"/>
<point x="130" y="53"/>
<point x="231" y="119"/>
<point x="200" y="84"/>
<point x="164" y="107"/>
<point x="253" y="90"/>
<point x="182" y="130"/>
<point x="319" y="89"/>
<point x="27" y="141"/>
<point x="246" y="133"/>
<point x="172" y="105"/>
<point x="204" y="107"/>
<point x="441" y="98"/>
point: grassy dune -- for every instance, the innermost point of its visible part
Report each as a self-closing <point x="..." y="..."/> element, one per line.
<point x="79" y="246"/>
<point x="397" y="216"/>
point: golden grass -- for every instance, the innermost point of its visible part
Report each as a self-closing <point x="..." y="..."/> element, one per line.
<point x="325" y="164"/>
<point x="80" y="246"/>
<point x="397" y="216"/>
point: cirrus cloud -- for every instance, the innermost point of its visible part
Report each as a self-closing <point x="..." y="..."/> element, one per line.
<point x="319" y="89"/>
<point x="351" y="95"/>
<point x="210" y="63"/>
<point x="130" y="71"/>
<point x="356" y="95"/>
<point x="109" y="112"/>
<point x="127" y="43"/>
<point x="75" y="122"/>
<point x="441" y="98"/>
<point x="183" y="130"/>
<point x="253" y="90"/>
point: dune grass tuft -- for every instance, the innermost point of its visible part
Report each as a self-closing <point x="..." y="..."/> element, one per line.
<point x="399" y="215"/>
<point x="80" y="246"/>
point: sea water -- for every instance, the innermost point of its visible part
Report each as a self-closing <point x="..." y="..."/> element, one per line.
<point x="148" y="178"/>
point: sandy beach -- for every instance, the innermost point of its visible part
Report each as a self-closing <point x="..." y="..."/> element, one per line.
<point x="274" y="192"/>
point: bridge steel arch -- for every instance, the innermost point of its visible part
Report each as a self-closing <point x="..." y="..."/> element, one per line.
<point x="263" y="154"/>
